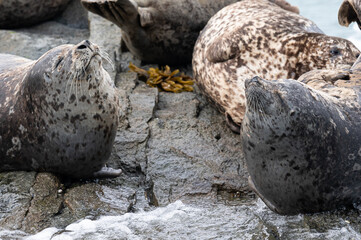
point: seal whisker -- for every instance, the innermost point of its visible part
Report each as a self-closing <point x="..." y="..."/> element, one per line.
<point x="106" y="57"/>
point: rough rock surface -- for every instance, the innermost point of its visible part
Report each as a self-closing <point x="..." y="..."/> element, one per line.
<point x="170" y="147"/>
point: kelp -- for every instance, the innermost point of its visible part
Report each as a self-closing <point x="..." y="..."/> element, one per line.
<point x="165" y="79"/>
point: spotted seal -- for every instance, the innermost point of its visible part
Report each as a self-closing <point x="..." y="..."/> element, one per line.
<point x="161" y="31"/>
<point x="350" y="11"/>
<point x="302" y="144"/>
<point x="23" y="13"/>
<point x="257" y="37"/>
<point x="59" y="113"/>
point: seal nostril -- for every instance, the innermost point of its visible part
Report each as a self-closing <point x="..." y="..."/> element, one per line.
<point x="357" y="55"/>
<point x="81" y="47"/>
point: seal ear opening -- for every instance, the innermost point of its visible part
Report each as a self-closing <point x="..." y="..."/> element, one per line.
<point x="348" y="14"/>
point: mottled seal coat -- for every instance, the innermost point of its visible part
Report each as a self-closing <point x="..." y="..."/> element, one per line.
<point x="23" y="13"/>
<point x="350" y="11"/>
<point x="59" y="113"/>
<point x="161" y="31"/>
<point x="256" y="37"/>
<point x="303" y="146"/>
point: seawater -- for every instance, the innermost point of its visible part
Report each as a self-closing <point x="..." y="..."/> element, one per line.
<point x="181" y="221"/>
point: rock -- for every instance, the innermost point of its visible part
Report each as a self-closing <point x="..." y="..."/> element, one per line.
<point x="23" y="13"/>
<point x="191" y="151"/>
<point x="93" y="199"/>
<point x="46" y="203"/>
<point x="15" y="198"/>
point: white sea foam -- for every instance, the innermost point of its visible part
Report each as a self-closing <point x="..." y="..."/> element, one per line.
<point x="181" y="221"/>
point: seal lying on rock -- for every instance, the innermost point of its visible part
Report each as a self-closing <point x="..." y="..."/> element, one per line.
<point x="59" y="113"/>
<point x="23" y="13"/>
<point x="350" y="11"/>
<point x="257" y="37"/>
<point x="161" y="31"/>
<point x="303" y="146"/>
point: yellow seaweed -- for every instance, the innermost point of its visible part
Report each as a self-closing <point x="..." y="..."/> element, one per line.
<point x="165" y="79"/>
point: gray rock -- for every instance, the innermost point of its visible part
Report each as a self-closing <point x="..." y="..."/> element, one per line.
<point x="46" y="202"/>
<point x="15" y="198"/>
<point x="191" y="151"/>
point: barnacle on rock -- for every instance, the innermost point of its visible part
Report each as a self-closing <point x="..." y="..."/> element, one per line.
<point x="165" y="79"/>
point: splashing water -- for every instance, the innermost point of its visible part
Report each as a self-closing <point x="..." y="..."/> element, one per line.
<point x="182" y="221"/>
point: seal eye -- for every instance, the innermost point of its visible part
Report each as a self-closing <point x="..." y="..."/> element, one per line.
<point x="335" y="51"/>
<point x="59" y="61"/>
<point x="47" y="77"/>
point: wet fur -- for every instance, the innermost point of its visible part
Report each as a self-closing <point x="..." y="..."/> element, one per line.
<point x="302" y="145"/>
<point x="59" y="113"/>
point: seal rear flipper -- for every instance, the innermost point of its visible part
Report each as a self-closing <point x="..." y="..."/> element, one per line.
<point x="349" y="12"/>
<point x="121" y="12"/>
<point x="269" y="204"/>
<point x="106" y="172"/>
<point x="324" y="76"/>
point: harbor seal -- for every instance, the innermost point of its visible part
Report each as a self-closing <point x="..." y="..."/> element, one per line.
<point x="24" y="13"/>
<point x="161" y="31"/>
<point x="303" y="146"/>
<point x="350" y="11"/>
<point x="257" y="37"/>
<point x="59" y="113"/>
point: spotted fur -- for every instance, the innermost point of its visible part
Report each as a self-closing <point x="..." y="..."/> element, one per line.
<point x="59" y="113"/>
<point x="302" y="141"/>
<point x="258" y="38"/>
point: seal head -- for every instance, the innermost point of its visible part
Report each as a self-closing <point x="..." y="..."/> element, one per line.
<point x="350" y="11"/>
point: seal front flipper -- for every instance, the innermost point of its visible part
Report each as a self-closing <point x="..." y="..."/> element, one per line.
<point x="107" y="172"/>
<point x="123" y="13"/>
<point x="236" y="128"/>
<point x="268" y="203"/>
<point x="350" y="11"/>
<point x="225" y="48"/>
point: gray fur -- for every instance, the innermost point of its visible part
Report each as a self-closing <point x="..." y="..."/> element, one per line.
<point x="59" y="113"/>
<point x="303" y="146"/>
<point x="23" y="13"/>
